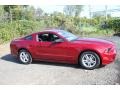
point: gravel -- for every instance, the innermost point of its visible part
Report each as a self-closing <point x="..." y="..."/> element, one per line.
<point x="12" y="72"/>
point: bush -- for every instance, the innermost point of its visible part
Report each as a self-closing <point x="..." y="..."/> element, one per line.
<point x="114" y="24"/>
<point x="15" y="29"/>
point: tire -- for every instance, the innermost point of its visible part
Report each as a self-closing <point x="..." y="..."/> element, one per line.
<point x="25" y="57"/>
<point x="89" y="60"/>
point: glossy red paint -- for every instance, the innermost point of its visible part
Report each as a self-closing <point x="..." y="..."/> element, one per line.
<point x="66" y="51"/>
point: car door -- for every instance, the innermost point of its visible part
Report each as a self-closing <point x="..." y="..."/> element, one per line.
<point x="48" y="50"/>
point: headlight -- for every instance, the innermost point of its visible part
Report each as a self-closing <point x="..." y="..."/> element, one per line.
<point x="107" y="50"/>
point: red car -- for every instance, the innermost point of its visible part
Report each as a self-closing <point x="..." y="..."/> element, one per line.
<point x="64" y="47"/>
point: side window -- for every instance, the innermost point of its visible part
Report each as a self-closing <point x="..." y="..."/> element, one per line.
<point x="43" y="37"/>
<point x="28" y="37"/>
<point x="54" y="37"/>
<point x="47" y="37"/>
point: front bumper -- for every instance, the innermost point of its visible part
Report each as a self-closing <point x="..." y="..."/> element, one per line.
<point x="108" y="57"/>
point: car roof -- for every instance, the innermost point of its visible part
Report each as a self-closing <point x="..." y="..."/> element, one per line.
<point x="50" y="30"/>
<point x="53" y="30"/>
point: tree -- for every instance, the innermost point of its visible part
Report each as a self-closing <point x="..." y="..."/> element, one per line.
<point x="1" y="13"/>
<point x="68" y="10"/>
<point x="29" y="13"/>
<point x="8" y="9"/>
<point x="1" y="10"/>
<point x="59" y="19"/>
<point x="73" y="10"/>
<point x="15" y="12"/>
<point x="39" y="13"/>
<point x="78" y="9"/>
<point x="114" y="24"/>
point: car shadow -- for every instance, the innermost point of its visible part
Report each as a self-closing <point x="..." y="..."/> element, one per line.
<point x="13" y="59"/>
<point x="10" y="58"/>
<point x="58" y="64"/>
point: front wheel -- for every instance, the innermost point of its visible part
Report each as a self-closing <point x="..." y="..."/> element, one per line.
<point x="89" y="60"/>
<point x="25" y="57"/>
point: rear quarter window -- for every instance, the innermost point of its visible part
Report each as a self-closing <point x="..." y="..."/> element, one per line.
<point x="28" y="37"/>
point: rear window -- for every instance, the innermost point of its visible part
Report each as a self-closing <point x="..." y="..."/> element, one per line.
<point x="28" y="37"/>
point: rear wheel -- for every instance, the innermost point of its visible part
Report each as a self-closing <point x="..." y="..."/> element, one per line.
<point x="25" y="57"/>
<point x="89" y="60"/>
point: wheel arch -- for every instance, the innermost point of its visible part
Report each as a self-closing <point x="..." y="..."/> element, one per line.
<point x="90" y="51"/>
<point x="24" y="49"/>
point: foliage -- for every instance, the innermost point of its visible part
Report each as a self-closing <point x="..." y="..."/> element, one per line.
<point x="19" y="20"/>
<point x="114" y="24"/>
<point x="1" y="13"/>
<point x="18" y="28"/>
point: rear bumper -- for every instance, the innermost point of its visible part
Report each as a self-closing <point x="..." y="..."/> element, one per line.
<point x="13" y="50"/>
<point x="108" y="58"/>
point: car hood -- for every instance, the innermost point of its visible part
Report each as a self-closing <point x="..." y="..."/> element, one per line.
<point x="93" y="41"/>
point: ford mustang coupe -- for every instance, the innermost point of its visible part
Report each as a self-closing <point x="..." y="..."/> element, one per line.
<point x="64" y="47"/>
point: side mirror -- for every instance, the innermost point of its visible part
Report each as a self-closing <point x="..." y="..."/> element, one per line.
<point x="58" y="41"/>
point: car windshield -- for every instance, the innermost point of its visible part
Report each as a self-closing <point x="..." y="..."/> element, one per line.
<point x="69" y="36"/>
